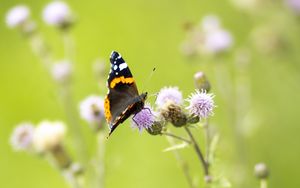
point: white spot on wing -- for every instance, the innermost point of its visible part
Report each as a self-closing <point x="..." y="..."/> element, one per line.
<point x="117" y="73"/>
<point x="119" y="57"/>
<point x="122" y="66"/>
<point x="115" y="67"/>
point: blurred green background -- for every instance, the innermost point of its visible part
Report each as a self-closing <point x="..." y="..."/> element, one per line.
<point x="149" y="34"/>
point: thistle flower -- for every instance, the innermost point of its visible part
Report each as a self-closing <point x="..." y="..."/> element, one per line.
<point x="173" y="113"/>
<point x="48" y="135"/>
<point x="57" y="13"/>
<point x="217" y="41"/>
<point x="17" y="16"/>
<point x="294" y="5"/>
<point x="61" y="71"/>
<point x="92" y="109"/>
<point x="168" y="94"/>
<point x="144" y="119"/>
<point x="201" y="104"/>
<point x="21" y="138"/>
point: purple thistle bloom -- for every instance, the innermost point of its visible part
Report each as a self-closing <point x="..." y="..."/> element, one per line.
<point x="294" y="5"/>
<point x="144" y="119"/>
<point x="21" y="138"/>
<point x="169" y="94"/>
<point x="201" y="104"/>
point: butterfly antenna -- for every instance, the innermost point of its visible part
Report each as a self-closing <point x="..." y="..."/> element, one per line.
<point x="148" y="79"/>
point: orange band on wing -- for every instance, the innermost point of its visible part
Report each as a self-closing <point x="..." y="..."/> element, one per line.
<point x="107" y="110"/>
<point x="122" y="79"/>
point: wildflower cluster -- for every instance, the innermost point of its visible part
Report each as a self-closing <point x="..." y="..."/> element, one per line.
<point x="170" y="107"/>
<point x="46" y="139"/>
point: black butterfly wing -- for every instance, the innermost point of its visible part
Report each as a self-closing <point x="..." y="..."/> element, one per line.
<point x="122" y="92"/>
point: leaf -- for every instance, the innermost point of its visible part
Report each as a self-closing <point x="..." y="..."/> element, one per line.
<point x="213" y="146"/>
<point x="176" y="147"/>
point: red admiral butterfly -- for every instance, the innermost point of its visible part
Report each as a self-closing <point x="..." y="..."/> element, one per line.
<point x="122" y="99"/>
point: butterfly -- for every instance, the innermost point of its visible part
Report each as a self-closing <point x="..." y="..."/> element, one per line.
<point x="122" y="99"/>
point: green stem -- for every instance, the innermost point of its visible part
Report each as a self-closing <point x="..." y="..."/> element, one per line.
<point x="177" y="137"/>
<point x="41" y="50"/>
<point x="69" y="47"/>
<point x="74" y="125"/>
<point x="100" y="164"/>
<point x="198" y="152"/>
<point x="263" y="183"/>
<point x="183" y="164"/>
<point x="207" y="140"/>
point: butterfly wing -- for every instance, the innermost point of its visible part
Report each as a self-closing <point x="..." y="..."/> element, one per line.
<point x="122" y="92"/>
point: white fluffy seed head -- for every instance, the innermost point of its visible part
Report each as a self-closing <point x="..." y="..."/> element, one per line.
<point x="48" y="135"/>
<point x="17" y="16"/>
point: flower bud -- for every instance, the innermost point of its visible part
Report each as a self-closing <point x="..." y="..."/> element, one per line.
<point x="201" y="82"/>
<point x="156" y="128"/>
<point x="261" y="171"/>
<point x="174" y="114"/>
<point x="193" y="119"/>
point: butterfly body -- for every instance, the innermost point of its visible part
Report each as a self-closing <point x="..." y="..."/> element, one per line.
<point x="122" y="99"/>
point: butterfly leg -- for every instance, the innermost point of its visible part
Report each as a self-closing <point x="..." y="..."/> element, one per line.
<point x="148" y="110"/>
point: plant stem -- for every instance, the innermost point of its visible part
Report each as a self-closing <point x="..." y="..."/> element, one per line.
<point x="69" y="48"/>
<point x="183" y="164"/>
<point x="73" y="120"/>
<point x="100" y="164"/>
<point x="41" y="50"/>
<point x="263" y="183"/>
<point x="207" y="140"/>
<point x="177" y="137"/>
<point x="198" y="152"/>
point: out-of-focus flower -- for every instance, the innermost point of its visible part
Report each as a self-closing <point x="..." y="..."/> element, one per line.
<point x="92" y="109"/>
<point x="57" y="13"/>
<point x="17" y="16"/>
<point x="217" y="41"/>
<point x="268" y="39"/>
<point x="208" y="38"/>
<point x="201" y="104"/>
<point x="294" y="5"/>
<point x="261" y="171"/>
<point x="61" y="71"/>
<point x="22" y="136"/>
<point x="210" y="23"/>
<point x="247" y="5"/>
<point x="144" y="119"/>
<point x="201" y="81"/>
<point x="48" y="135"/>
<point x="169" y="94"/>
